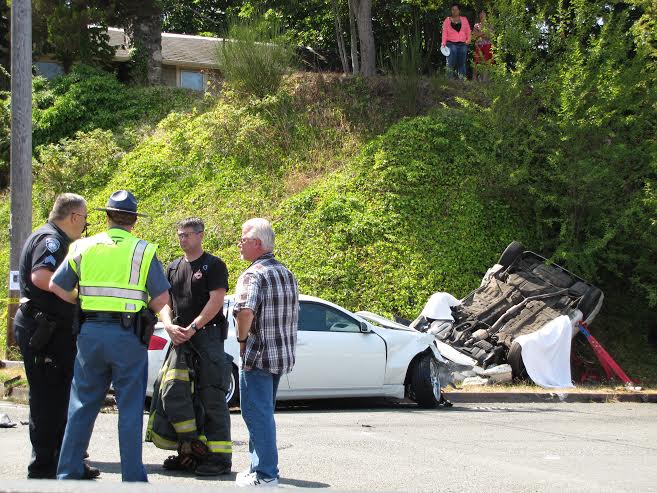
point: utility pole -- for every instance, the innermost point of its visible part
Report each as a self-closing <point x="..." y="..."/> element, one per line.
<point x="20" y="223"/>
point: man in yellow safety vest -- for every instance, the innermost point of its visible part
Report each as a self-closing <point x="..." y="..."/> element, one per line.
<point x="119" y="283"/>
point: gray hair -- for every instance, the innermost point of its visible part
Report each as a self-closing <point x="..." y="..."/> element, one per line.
<point x="65" y="203"/>
<point x="191" y="222"/>
<point x="260" y="229"/>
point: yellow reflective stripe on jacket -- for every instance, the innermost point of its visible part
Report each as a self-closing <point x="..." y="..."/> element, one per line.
<point x="163" y="443"/>
<point x="174" y="374"/>
<point x="185" y="426"/>
<point x="220" y="447"/>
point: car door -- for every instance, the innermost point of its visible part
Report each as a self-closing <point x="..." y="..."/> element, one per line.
<point x="333" y="356"/>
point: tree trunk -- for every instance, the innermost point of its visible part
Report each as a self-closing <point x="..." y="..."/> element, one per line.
<point x="147" y="36"/>
<point x="342" y="51"/>
<point x="353" y="6"/>
<point x="366" y="35"/>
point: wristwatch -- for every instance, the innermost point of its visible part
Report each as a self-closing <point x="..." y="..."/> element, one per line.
<point x="242" y="340"/>
<point x="194" y="326"/>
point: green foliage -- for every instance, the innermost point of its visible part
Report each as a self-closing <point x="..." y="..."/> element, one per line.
<point x="575" y="123"/>
<point x="407" y="218"/>
<point x="81" y="165"/>
<point x="88" y="98"/>
<point x="72" y="32"/>
<point x="255" y="55"/>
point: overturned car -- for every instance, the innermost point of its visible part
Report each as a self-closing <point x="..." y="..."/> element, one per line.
<point x="519" y="295"/>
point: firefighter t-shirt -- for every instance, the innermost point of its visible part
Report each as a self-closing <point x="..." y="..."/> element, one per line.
<point x="191" y="283"/>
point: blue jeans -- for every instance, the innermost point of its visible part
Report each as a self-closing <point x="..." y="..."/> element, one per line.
<point x="257" y="401"/>
<point x="107" y="353"/>
<point x="456" y="61"/>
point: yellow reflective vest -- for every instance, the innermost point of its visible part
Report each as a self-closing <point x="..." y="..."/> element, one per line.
<point x="112" y="268"/>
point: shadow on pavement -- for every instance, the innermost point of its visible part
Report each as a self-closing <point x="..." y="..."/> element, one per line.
<point x="300" y="483"/>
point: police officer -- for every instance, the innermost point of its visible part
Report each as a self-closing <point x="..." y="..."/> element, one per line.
<point x="119" y="278"/>
<point x="199" y="282"/>
<point x="43" y="329"/>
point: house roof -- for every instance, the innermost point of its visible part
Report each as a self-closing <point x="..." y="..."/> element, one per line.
<point x="177" y="49"/>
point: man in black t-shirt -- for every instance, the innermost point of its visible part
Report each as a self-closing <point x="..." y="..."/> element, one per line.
<point x="195" y="321"/>
<point x="43" y="329"/>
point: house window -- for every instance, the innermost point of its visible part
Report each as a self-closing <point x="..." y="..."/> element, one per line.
<point x="49" y="70"/>
<point x="191" y="80"/>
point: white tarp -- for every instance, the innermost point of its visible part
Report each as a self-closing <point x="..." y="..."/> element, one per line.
<point x="438" y="306"/>
<point x="546" y="353"/>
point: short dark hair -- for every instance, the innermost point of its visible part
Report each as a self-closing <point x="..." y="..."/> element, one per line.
<point x="122" y="218"/>
<point x="191" y="222"/>
<point x="457" y="5"/>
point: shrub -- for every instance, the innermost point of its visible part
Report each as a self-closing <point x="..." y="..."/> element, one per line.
<point x="255" y="56"/>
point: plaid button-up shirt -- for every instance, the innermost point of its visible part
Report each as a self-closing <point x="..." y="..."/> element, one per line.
<point x="269" y="289"/>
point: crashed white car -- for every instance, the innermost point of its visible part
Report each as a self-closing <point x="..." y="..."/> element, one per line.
<point x="340" y="354"/>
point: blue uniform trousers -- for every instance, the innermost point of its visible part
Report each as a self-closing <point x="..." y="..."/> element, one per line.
<point x="106" y="353"/>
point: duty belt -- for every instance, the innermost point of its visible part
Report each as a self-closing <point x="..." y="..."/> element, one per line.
<point x="102" y="315"/>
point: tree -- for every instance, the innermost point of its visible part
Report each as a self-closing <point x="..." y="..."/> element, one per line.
<point x="71" y="31"/>
<point x="142" y="22"/>
<point x="366" y="36"/>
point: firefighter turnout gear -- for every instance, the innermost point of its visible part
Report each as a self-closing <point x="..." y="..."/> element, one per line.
<point x="189" y="397"/>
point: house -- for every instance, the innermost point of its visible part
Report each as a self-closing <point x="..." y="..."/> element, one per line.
<point x="187" y="61"/>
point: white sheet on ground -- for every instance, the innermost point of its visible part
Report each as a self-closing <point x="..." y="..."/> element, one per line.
<point x="546" y="353"/>
<point x="438" y="306"/>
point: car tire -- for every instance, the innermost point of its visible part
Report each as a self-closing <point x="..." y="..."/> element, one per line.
<point x="511" y="253"/>
<point x="514" y="359"/>
<point x="590" y="301"/>
<point x="425" y="382"/>
<point x="233" y="394"/>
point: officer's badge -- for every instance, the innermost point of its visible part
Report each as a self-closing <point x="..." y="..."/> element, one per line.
<point x="205" y="267"/>
<point x="197" y="274"/>
<point x="52" y="244"/>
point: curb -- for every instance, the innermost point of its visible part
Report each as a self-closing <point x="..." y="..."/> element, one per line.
<point x="11" y="364"/>
<point x="526" y="397"/>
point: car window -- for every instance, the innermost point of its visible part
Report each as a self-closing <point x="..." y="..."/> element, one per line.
<point x="314" y="317"/>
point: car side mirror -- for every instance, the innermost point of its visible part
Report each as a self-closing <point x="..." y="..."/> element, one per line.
<point x="364" y="328"/>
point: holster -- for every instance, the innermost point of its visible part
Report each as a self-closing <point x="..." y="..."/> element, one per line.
<point x="145" y="325"/>
<point x="43" y="332"/>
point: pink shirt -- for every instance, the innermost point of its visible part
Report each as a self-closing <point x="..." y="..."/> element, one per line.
<point x="453" y="36"/>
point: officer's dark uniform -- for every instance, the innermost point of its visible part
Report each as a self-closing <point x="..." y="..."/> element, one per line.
<point x="49" y="370"/>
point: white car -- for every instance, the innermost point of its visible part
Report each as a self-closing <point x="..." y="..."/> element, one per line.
<point x="339" y="354"/>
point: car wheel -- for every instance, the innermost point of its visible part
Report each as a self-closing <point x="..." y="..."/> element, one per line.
<point x="425" y="382"/>
<point x="511" y="253"/>
<point x="233" y="394"/>
<point x="589" y="303"/>
<point x="514" y="359"/>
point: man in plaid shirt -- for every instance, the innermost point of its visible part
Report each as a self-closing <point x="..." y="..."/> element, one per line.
<point x="267" y="311"/>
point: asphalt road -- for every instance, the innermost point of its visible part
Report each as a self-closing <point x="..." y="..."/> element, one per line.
<point x="354" y="445"/>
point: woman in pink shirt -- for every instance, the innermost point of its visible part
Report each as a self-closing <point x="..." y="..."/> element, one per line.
<point x="456" y="36"/>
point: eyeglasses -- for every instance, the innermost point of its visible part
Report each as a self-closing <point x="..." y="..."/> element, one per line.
<point x="241" y="241"/>
<point x="184" y="236"/>
<point x="85" y="216"/>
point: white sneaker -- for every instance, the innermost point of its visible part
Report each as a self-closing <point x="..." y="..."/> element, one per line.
<point x="251" y="480"/>
<point x="243" y="473"/>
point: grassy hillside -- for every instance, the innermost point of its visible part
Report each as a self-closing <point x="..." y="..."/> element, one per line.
<point x="374" y="209"/>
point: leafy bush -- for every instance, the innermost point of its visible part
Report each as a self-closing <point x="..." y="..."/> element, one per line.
<point x="575" y="125"/>
<point x="255" y="55"/>
<point x="409" y="217"/>
<point x="88" y="98"/>
<point x="81" y="165"/>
